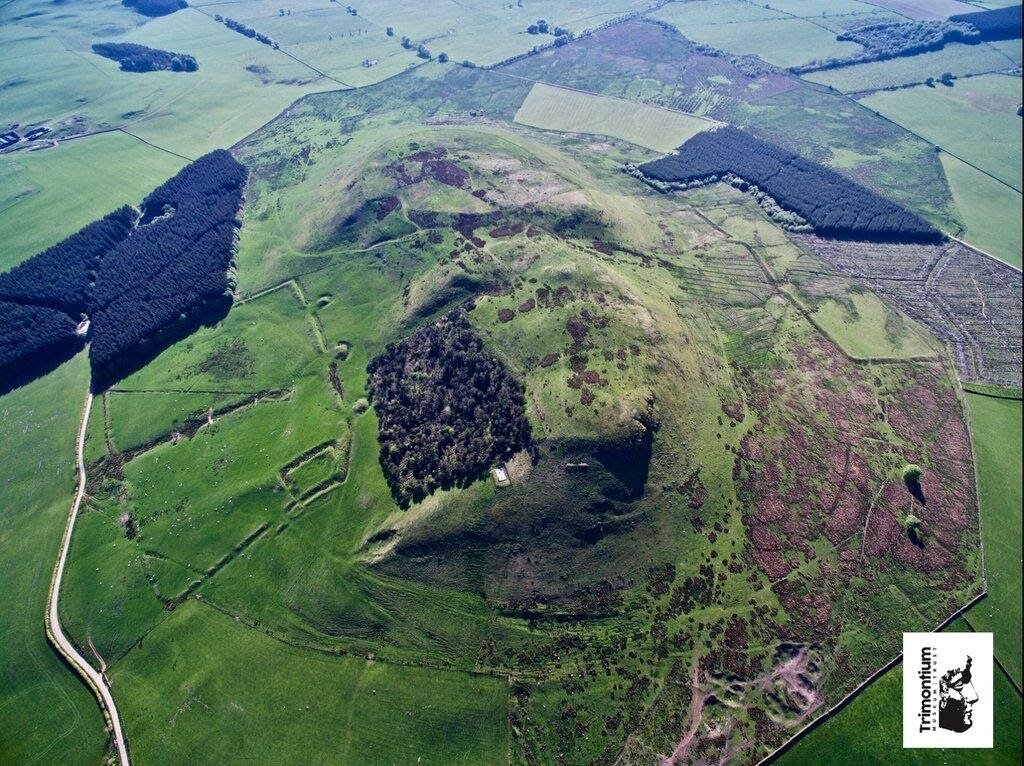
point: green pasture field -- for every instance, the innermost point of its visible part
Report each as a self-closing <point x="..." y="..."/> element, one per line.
<point x="935" y="10"/>
<point x="870" y="731"/>
<point x="1009" y="48"/>
<point x="957" y="58"/>
<point x="867" y="328"/>
<point x="48" y="195"/>
<point x="52" y="77"/>
<point x="663" y="130"/>
<point x="141" y="418"/>
<point x="263" y="345"/>
<point x="327" y="37"/>
<point x="47" y="716"/>
<point x="990" y="211"/>
<point x="996" y="426"/>
<point x="975" y="119"/>
<point x="784" y="42"/>
<point x="484" y="32"/>
<point x="207" y="689"/>
<point x="811" y="9"/>
<point x="324" y="36"/>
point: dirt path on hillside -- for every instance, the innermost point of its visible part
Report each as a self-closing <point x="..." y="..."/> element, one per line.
<point x="693" y="719"/>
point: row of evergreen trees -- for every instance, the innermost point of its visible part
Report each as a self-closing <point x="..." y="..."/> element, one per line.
<point x="829" y="202"/>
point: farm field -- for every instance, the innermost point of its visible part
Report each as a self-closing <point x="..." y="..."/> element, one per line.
<point x="380" y="713"/>
<point x="569" y="111"/>
<point x="239" y="85"/>
<point x="997" y="437"/>
<point x="870" y="731"/>
<point x="473" y="444"/>
<point x="989" y="210"/>
<point x="781" y="40"/>
<point x="975" y="120"/>
<point x="928" y="9"/>
<point x="48" y="195"/>
<point x="961" y="60"/>
<point x="329" y="38"/>
<point x="55" y="716"/>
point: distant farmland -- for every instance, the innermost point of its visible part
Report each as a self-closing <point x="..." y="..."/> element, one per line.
<point x="571" y="111"/>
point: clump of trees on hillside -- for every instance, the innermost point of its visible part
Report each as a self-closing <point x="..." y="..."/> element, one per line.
<point x="893" y="39"/>
<point x="996" y="24"/>
<point x="140" y="58"/>
<point x="830" y="203"/>
<point x="155" y="7"/>
<point x="449" y="409"/>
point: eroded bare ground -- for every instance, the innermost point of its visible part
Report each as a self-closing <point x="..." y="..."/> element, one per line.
<point x="970" y="301"/>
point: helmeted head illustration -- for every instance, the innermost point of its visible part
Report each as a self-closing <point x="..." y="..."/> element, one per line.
<point x="957" y="696"/>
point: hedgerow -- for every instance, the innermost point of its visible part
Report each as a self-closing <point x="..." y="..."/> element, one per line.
<point x="62" y="276"/>
<point x="448" y="408"/>
<point x="140" y="58"/>
<point x="830" y="203"/>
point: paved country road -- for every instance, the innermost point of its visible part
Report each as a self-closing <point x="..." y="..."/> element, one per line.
<point x="53" y="629"/>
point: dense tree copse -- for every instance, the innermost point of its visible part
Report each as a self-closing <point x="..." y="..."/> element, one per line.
<point x="997" y="24"/>
<point x="140" y="58"/>
<point x="141" y="282"/>
<point x="62" y="276"/>
<point x="174" y="267"/>
<point x="830" y="203"/>
<point x="448" y="408"/>
<point x="30" y="332"/>
<point x="155" y="7"/>
<point x="892" y="39"/>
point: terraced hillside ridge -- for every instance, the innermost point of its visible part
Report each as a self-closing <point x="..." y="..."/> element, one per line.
<point x="820" y="199"/>
<point x="131" y="282"/>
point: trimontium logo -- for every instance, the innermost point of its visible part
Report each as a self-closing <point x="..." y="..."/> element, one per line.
<point x="947" y="690"/>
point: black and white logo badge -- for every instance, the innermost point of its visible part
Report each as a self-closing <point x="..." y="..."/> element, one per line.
<point x="947" y="690"/>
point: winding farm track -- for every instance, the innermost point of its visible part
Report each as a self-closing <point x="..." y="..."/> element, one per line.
<point x="55" y="633"/>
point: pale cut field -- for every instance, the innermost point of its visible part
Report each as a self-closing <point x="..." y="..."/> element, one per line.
<point x="927" y="9"/>
<point x="571" y="111"/>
